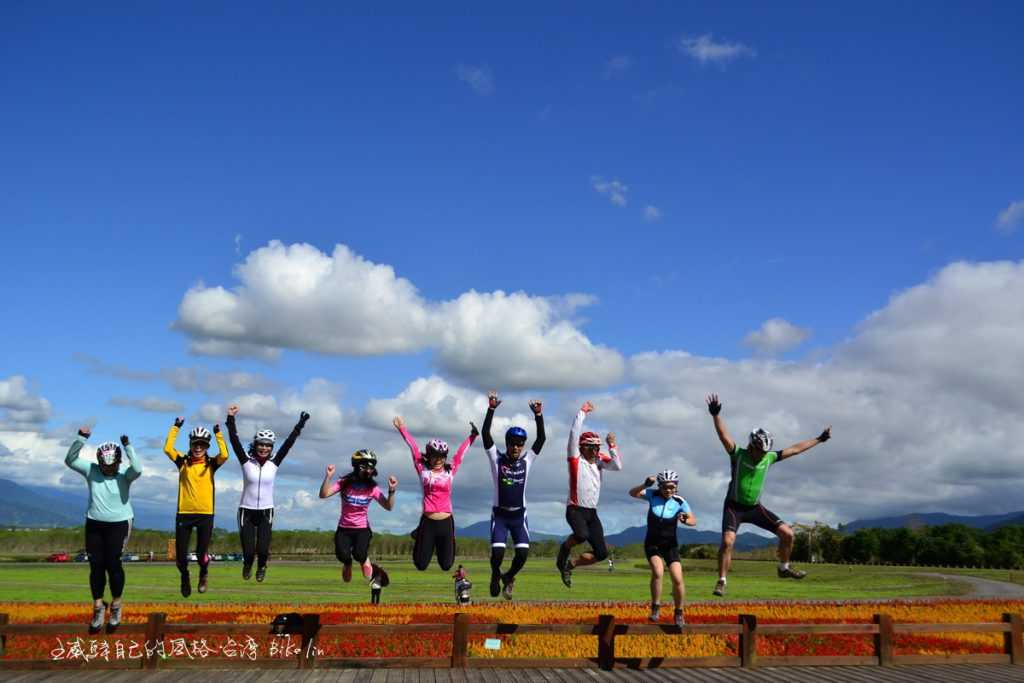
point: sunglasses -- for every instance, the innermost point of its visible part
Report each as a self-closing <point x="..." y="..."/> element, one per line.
<point x="590" y="447"/>
<point x="516" y="442"/>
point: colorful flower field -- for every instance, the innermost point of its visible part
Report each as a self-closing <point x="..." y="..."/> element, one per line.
<point x="258" y="643"/>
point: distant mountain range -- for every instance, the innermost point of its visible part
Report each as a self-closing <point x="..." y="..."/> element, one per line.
<point x="916" y="520"/>
<point x="37" y="506"/>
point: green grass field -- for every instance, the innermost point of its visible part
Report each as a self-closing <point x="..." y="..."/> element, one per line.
<point x="312" y="582"/>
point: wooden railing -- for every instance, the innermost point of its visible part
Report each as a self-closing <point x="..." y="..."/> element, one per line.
<point x="746" y="629"/>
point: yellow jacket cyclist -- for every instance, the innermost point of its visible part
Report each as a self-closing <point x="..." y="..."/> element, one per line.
<point x="196" y="470"/>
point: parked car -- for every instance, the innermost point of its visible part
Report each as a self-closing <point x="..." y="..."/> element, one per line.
<point x="192" y="557"/>
<point x="58" y="557"/>
<point x="129" y="557"/>
<point x="82" y="557"/>
<point x="234" y="557"/>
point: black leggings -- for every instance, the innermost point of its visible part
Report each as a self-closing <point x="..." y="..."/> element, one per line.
<point x="105" y="541"/>
<point x="203" y="524"/>
<point x="434" y="535"/>
<point x="255" y="527"/>
<point x="352" y="544"/>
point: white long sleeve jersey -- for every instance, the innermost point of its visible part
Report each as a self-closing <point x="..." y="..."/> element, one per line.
<point x="585" y="476"/>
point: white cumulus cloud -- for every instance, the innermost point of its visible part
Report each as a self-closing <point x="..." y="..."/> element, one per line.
<point x="615" y="190"/>
<point x="776" y="336"/>
<point x="343" y="304"/>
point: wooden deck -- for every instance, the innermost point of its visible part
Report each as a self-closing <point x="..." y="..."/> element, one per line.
<point x="957" y="673"/>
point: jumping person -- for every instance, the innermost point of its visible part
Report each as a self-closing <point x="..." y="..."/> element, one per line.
<point x="358" y="489"/>
<point x="196" y="491"/>
<point x="586" y="466"/>
<point x="509" y="471"/>
<point x="256" y="509"/>
<point x="742" y="503"/>
<point x="436" y="531"/>
<point x="660" y="544"/>
<point x="108" y="520"/>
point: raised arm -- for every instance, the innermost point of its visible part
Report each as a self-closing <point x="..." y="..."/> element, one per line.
<point x="389" y="502"/>
<point x="290" y="441"/>
<point x="538" y="443"/>
<point x="463" y="447"/>
<point x="492" y="404"/>
<point x="798" y="448"/>
<point x="638" y="491"/>
<point x="134" y="470"/>
<point x="222" y="448"/>
<point x="172" y="436"/>
<point x="715" y="407"/>
<point x="414" y="449"/>
<point x="236" y="443"/>
<point x="572" y="447"/>
<point x="71" y="459"/>
<point x="613" y="463"/>
<point x="327" y="488"/>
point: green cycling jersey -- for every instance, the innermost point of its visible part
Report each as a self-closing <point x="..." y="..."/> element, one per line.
<point x="748" y="476"/>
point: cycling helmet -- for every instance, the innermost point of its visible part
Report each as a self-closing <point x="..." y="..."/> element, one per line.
<point x="667" y="477"/>
<point x="108" y="453"/>
<point x="590" y="439"/>
<point x="515" y="433"/>
<point x="364" y="456"/>
<point x="437" y="447"/>
<point x="199" y="434"/>
<point x="264" y="436"/>
<point x="763" y="438"/>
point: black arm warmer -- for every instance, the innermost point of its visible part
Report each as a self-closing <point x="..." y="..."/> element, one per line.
<point x="236" y="444"/>
<point x="288" y="443"/>
<point x="486" y="431"/>
<point x="538" y="443"/>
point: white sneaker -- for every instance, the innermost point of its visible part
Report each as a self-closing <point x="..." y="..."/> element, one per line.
<point x="115" y="616"/>
<point x="98" y="613"/>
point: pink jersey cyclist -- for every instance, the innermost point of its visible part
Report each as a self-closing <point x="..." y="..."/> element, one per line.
<point x="436" y="531"/>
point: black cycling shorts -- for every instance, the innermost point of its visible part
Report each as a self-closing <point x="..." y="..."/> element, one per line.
<point x="586" y="528"/>
<point x="734" y="514"/>
<point x="668" y="551"/>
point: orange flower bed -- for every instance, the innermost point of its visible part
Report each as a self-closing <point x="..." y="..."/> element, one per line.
<point x="256" y="643"/>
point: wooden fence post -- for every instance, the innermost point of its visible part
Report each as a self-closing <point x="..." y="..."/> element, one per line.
<point x="154" y="637"/>
<point x="748" y="641"/>
<point x="310" y="629"/>
<point x="884" y="639"/>
<point x="460" y="640"/>
<point x="606" y="641"/>
<point x="3" y="638"/>
<point x="1013" y="640"/>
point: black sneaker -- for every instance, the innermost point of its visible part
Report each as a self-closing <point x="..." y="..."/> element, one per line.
<point x="186" y="585"/>
<point x="790" y="573"/>
<point x="563" y="558"/>
<point x="247" y="571"/>
<point x="261" y="573"/>
<point x="719" y="588"/>
<point x="202" y="583"/>
<point x="679" y="618"/>
<point x="567" y="575"/>
<point x="506" y="587"/>
<point x="655" y="614"/>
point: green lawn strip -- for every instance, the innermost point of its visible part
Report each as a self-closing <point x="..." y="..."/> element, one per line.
<point x="319" y="582"/>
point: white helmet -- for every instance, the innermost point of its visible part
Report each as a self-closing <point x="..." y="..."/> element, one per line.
<point x="264" y="436"/>
<point x="199" y="434"/>
<point x="668" y="477"/>
<point x="762" y="438"/>
<point x="108" y="453"/>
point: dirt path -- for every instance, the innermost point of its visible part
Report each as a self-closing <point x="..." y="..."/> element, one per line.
<point x="984" y="588"/>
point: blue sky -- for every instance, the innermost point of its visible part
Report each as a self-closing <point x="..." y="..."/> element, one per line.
<point x="694" y="170"/>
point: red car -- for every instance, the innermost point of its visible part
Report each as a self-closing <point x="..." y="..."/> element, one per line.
<point x="58" y="557"/>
